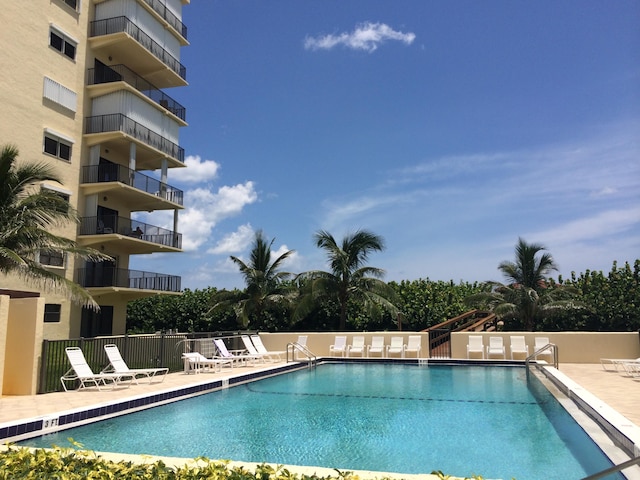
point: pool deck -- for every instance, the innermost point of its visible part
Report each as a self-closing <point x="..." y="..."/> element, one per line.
<point x="618" y="391"/>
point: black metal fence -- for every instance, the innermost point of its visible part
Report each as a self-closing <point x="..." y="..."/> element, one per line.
<point x="138" y="351"/>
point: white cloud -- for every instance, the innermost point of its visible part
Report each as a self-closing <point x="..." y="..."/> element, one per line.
<point x="197" y="171"/>
<point x="367" y="36"/>
<point x="204" y="209"/>
<point x="234" y="242"/>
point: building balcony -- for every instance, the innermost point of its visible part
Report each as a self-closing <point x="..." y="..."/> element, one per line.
<point x="100" y="279"/>
<point x="119" y="130"/>
<point x="140" y="191"/>
<point x="127" y="235"/>
<point x="168" y="16"/>
<point x="105" y="79"/>
<point x="134" y="47"/>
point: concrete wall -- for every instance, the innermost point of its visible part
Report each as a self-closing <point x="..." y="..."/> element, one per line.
<point x="573" y="347"/>
<point x="4" y="322"/>
<point x="24" y="337"/>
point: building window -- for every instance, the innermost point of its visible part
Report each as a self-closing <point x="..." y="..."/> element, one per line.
<point x="72" y="3"/>
<point x="60" y="94"/>
<point x="57" y="147"/>
<point x="63" y="43"/>
<point x="51" y="258"/>
<point x="59" y="192"/>
<point x="52" y="312"/>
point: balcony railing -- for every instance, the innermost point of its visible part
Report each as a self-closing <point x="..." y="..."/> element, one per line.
<point x="106" y="276"/>
<point x="160" y="8"/>
<point x="121" y="73"/>
<point x="106" y="224"/>
<point x="113" y="25"/>
<point x="117" y="122"/>
<point x="112" y="172"/>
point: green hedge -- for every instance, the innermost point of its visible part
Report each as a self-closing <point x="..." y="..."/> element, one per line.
<point x="70" y="464"/>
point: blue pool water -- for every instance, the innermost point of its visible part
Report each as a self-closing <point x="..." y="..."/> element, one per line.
<point x="461" y="420"/>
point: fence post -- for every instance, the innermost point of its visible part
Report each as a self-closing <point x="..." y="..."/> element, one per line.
<point x="42" y="381"/>
<point x="160" y="359"/>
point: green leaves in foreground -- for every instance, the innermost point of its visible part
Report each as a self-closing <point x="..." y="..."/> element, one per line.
<point x="69" y="464"/>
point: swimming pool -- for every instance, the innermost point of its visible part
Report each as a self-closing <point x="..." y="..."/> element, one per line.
<point x="398" y="418"/>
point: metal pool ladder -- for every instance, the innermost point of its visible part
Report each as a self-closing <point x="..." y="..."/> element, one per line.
<point x="549" y="346"/>
<point x="295" y="346"/>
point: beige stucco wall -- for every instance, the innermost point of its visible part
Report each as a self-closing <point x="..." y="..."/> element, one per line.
<point x="573" y="347"/>
<point x="23" y="346"/>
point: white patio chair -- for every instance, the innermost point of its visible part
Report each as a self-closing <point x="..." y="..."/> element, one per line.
<point x="241" y="359"/>
<point x="357" y="346"/>
<point x="396" y="347"/>
<point x="339" y="345"/>
<point x="81" y="371"/>
<point x="376" y="347"/>
<point x="518" y="347"/>
<point x="196" y="362"/>
<point x="273" y="355"/>
<point x="540" y="342"/>
<point x="475" y="345"/>
<point x="414" y="344"/>
<point x="118" y="365"/>
<point x="496" y="347"/>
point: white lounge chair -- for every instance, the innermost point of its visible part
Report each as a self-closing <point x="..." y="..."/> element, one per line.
<point x="81" y="371"/>
<point x="273" y="355"/>
<point x="496" y="347"/>
<point x="632" y="368"/>
<point x="475" y="346"/>
<point x="196" y="362"/>
<point x="519" y="347"/>
<point x="541" y="342"/>
<point x="396" y="347"/>
<point x="357" y="346"/>
<point x="251" y="349"/>
<point x="414" y="344"/>
<point x="617" y="363"/>
<point x="376" y="347"/>
<point x="118" y="365"/>
<point x="339" y="345"/>
<point x="241" y="359"/>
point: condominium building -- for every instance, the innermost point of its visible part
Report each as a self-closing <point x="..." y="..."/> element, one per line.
<point x="84" y="89"/>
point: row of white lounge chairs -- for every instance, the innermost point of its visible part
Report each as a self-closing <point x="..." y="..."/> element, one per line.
<point x="254" y="351"/>
<point x="496" y="348"/>
<point x="377" y="348"/>
<point x="117" y="373"/>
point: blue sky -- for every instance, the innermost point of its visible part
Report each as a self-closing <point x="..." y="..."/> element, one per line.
<point x="450" y="128"/>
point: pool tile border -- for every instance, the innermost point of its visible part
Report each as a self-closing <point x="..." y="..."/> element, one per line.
<point x="33" y="427"/>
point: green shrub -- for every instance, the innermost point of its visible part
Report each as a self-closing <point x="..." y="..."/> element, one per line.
<point x="70" y="464"/>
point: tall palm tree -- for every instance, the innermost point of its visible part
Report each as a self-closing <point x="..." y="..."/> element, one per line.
<point x="350" y="277"/>
<point x="265" y="283"/>
<point x="27" y="216"/>
<point x="528" y="293"/>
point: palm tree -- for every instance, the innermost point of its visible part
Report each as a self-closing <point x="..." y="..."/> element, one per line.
<point x="266" y="286"/>
<point x="27" y="216"/>
<point x="349" y="278"/>
<point x="528" y="293"/>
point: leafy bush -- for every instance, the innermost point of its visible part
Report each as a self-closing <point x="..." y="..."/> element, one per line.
<point x="70" y="464"/>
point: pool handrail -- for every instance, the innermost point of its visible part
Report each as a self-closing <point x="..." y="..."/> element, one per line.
<point x="534" y="356"/>
<point x="293" y="346"/>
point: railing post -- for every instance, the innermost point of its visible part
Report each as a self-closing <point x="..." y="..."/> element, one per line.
<point x="42" y="380"/>
<point x="160" y="359"/>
